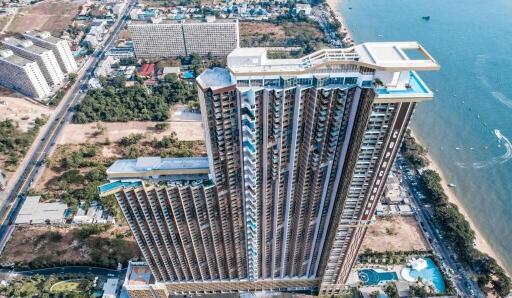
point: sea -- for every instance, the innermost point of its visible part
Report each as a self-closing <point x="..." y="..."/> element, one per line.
<point x="467" y="128"/>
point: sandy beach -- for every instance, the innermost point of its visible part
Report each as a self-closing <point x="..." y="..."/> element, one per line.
<point x="481" y="243"/>
<point x="334" y="5"/>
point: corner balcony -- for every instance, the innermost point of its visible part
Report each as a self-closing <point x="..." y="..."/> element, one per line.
<point x="415" y="90"/>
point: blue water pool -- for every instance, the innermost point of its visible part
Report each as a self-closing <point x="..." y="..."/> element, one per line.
<point x="371" y="277"/>
<point x="430" y="274"/>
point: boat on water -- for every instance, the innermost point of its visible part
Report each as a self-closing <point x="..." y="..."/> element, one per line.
<point x="452" y="185"/>
<point x="426" y="18"/>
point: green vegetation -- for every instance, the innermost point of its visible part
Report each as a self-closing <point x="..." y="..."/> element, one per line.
<point x="413" y="152"/>
<point x="391" y="290"/>
<point x="57" y="98"/>
<point x="81" y="170"/>
<point x="51" y="286"/>
<point x="390" y="257"/>
<point x="87" y="230"/>
<point x="456" y="228"/>
<point x="301" y="33"/>
<point x="135" y="145"/>
<point x="14" y="143"/>
<point x="118" y="103"/>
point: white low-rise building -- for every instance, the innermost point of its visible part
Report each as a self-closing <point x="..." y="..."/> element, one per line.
<point x="35" y="212"/>
<point x="94" y="214"/>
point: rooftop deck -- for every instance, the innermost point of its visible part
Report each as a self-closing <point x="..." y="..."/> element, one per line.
<point x="387" y="56"/>
<point x="143" y="167"/>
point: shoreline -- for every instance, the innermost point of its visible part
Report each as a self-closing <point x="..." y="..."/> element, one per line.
<point x="481" y="242"/>
<point x="334" y="6"/>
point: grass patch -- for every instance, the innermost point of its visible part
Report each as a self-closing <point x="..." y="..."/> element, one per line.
<point x="14" y="143"/>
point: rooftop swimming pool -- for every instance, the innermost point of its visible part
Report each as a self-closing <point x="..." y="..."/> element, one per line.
<point x="430" y="274"/>
<point x="113" y="185"/>
<point x="372" y="277"/>
<point x="416" y="87"/>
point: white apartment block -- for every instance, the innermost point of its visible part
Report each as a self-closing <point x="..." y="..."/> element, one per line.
<point x="22" y="75"/>
<point x="59" y="47"/>
<point x="170" y="39"/>
<point x="45" y="58"/>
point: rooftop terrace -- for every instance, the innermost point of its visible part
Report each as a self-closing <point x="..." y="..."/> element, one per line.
<point x="25" y="44"/>
<point x="387" y="56"/>
<point x="155" y="166"/>
<point x="10" y="57"/>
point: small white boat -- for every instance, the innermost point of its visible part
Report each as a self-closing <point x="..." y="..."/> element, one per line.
<point x="452" y="185"/>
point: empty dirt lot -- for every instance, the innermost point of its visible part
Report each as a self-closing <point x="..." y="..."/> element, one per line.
<point x="186" y="125"/>
<point x="20" y="109"/>
<point x="398" y="233"/>
<point x="50" y="15"/>
<point x="36" y="244"/>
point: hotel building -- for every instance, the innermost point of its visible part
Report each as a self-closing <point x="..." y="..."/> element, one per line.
<point x="166" y="39"/>
<point x="59" y="47"/>
<point x="299" y="151"/>
<point x="45" y="58"/>
<point x="22" y="75"/>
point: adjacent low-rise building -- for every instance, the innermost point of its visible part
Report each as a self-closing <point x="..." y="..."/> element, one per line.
<point x="165" y="39"/>
<point x="22" y="75"/>
<point x="35" y="212"/>
<point x="45" y="58"/>
<point x="60" y="48"/>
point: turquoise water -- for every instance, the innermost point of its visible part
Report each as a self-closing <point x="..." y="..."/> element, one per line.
<point x="113" y="185"/>
<point x="467" y="126"/>
<point x="371" y="277"/>
<point x="431" y="274"/>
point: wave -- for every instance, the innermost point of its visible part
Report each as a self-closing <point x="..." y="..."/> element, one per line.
<point x="481" y="75"/>
<point x="495" y="160"/>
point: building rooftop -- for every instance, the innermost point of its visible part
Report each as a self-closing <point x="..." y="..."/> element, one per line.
<point x="10" y="57"/>
<point x="388" y="56"/>
<point x="43" y="35"/>
<point x="145" y="164"/>
<point x="25" y="44"/>
<point x="161" y="21"/>
<point x="35" y="212"/>
<point x="215" y="78"/>
<point x="138" y="273"/>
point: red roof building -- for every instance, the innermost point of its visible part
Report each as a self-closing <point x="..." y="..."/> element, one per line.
<point x="147" y="70"/>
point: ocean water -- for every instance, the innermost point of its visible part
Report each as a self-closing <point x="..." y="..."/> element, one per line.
<point x="468" y="125"/>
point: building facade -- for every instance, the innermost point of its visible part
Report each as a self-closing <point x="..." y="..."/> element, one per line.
<point x="299" y="151"/>
<point x="59" y="47"/>
<point x="167" y="39"/>
<point x="45" y="58"/>
<point x="22" y="75"/>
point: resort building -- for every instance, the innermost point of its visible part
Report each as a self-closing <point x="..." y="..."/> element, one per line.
<point x="45" y="58"/>
<point x="299" y="151"/>
<point x="165" y="39"/>
<point x="59" y="47"/>
<point x="22" y="75"/>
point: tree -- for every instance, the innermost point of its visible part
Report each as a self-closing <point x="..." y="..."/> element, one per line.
<point x="72" y="77"/>
<point x="391" y="290"/>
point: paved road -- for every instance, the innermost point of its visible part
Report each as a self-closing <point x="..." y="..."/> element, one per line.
<point x="465" y="286"/>
<point x="45" y="142"/>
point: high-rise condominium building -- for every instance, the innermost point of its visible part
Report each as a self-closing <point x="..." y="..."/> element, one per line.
<point x="59" y="47"/>
<point x="22" y="75"/>
<point x="171" y="38"/>
<point x="299" y="151"/>
<point x="45" y="58"/>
